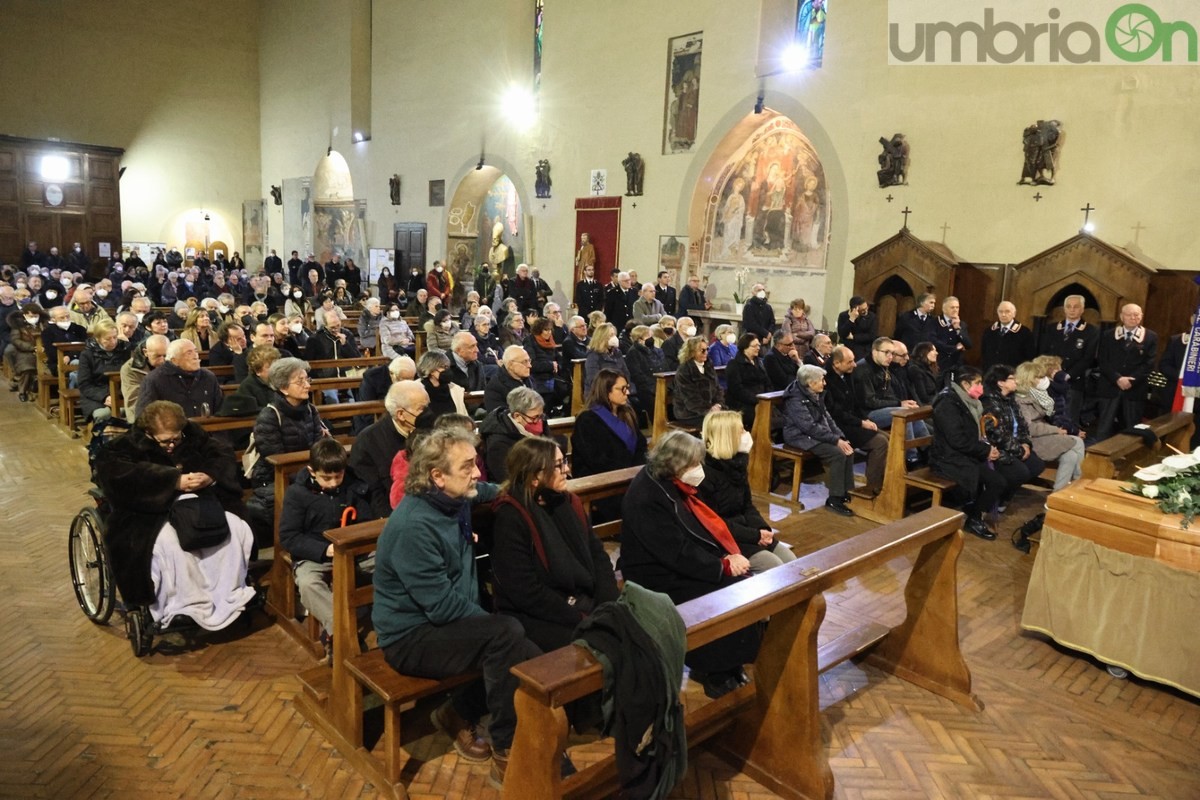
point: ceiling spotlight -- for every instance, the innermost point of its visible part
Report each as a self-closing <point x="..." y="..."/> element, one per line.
<point x="795" y="57"/>
<point x="1088" y="227"/>
<point x="758" y="104"/>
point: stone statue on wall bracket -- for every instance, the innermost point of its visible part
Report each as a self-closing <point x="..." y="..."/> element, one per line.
<point x="893" y="161"/>
<point x="1040" y="141"/>
<point x="277" y="195"/>
<point x="394" y="188"/>
<point x="542" y="181"/>
<point x="635" y="173"/>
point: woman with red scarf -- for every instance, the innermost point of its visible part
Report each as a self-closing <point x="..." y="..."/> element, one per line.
<point x="671" y="542"/>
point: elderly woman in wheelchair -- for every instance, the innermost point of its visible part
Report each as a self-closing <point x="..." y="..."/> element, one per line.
<point x="176" y="542"/>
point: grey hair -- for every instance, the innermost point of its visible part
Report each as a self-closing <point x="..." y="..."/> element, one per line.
<point x="461" y="340"/>
<point x="401" y="394"/>
<point x="807" y="374"/>
<point x="675" y="452"/>
<point x="281" y="372"/>
<point x="575" y="320"/>
<point x="396" y="368"/>
<point x="549" y="307"/>
<point x="432" y="360"/>
<point x="178" y="346"/>
<point x="522" y="400"/>
<point x="432" y="452"/>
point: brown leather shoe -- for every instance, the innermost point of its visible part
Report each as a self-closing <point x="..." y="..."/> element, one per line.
<point x="499" y="767"/>
<point x="469" y="745"/>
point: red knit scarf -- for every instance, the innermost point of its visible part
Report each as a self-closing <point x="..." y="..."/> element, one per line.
<point x="707" y="517"/>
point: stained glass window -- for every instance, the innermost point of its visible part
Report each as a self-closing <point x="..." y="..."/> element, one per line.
<point x="810" y="31"/>
<point x="539" y="9"/>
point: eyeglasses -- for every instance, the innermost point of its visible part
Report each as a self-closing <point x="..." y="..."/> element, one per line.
<point x="170" y="442"/>
<point x="624" y="388"/>
<point x="529" y="419"/>
<point x="301" y="381"/>
<point x="563" y="466"/>
<point x="890" y="353"/>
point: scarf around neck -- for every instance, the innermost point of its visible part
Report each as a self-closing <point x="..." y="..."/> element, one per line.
<point x="623" y="432"/>
<point x="973" y="405"/>
<point x="709" y="519"/>
<point x="458" y="507"/>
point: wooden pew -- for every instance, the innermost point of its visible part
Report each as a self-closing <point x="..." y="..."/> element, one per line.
<point x="765" y="450"/>
<point x="332" y="696"/>
<point x="891" y="502"/>
<point x="770" y="728"/>
<point x="1121" y="455"/>
<point x="577" y="385"/>
<point x="600" y="486"/>
<point x="47" y="383"/>
<point x="68" y="399"/>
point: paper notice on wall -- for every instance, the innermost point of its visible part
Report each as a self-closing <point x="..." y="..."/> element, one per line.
<point x="106" y="249"/>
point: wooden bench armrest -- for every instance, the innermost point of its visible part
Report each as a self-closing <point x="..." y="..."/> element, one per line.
<point x="591" y="484"/>
<point x="912" y="414"/>
<point x="355" y="535"/>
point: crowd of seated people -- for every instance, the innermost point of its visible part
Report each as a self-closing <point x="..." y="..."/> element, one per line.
<point x="477" y="405"/>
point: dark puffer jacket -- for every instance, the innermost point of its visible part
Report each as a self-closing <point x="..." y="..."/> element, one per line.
<point x="283" y="428"/>
<point x="958" y="451"/>
<point x="94" y="361"/>
<point x="1005" y="426"/>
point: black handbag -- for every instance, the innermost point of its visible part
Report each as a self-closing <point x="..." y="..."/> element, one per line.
<point x="199" y="522"/>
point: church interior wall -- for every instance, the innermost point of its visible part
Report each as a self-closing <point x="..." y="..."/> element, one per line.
<point x="175" y="85"/>
<point x="438" y="76"/>
<point x="218" y="102"/>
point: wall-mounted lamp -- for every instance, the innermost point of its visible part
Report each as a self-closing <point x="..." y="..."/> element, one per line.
<point x="480" y="164"/>
<point x="758" y="104"/>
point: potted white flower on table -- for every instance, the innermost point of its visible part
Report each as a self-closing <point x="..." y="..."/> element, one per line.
<point x="739" y="296"/>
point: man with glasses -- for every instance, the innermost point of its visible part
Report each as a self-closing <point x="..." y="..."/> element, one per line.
<point x="692" y="298"/>
<point x="515" y="366"/>
<point x="183" y="381"/>
<point x="875" y="391"/>
<point x="376" y="447"/>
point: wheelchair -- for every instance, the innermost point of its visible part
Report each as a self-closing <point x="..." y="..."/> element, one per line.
<point x="96" y="592"/>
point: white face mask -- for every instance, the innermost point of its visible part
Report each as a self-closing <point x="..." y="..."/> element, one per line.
<point x="66" y="282"/>
<point x="32" y="320"/>
<point x="746" y="442"/>
<point x="612" y="342"/>
<point x="761" y="295"/>
<point x="102" y="293"/>
<point x="50" y="295"/>
<point x="1043" y="384"/>
<point x="140" y="316"/>
<point x="731" y="338"/>
<point x="694" y="476"/>
<point x="297" y="295"/>
<point x="64" y="324"/>
<point x="222" y="308"/>
<point x="439" y="269"/>
<point x="685" y="332"/>
<point x="445" y="325"/>
<point x="393" y="315"/>
<point x="22" y="285"/>
<point x="296" y="328"/>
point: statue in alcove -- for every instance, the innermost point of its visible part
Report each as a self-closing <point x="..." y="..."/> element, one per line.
<point x="277" y="195"/>
<point x="542" y="178"/>
<point x="893" y="161"/>
<point x="394" y="188"/>
<point x="1040" y="142"/>
<point x="500" y="254"/>
<point x="635" y="173"/>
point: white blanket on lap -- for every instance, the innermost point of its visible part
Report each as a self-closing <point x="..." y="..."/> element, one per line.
<point x="208" y="585"/>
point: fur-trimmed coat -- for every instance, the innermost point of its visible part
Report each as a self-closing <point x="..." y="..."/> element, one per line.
<point x="139" y="479"/>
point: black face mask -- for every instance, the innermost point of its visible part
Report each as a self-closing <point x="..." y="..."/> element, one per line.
<point x="669" y="331"/>
<point x="549" y="497"/>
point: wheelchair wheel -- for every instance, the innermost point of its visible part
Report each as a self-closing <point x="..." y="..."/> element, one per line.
<point x="91" y="576"/>
<point x="140" y="629"/>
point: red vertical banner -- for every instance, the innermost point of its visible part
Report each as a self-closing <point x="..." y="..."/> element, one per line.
<point x="600" y="219"/>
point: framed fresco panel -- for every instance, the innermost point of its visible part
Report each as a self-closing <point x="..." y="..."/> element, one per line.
<point x="672" y="254"/>
<point x="437" y="193"/>
<point x="682" y="105"/>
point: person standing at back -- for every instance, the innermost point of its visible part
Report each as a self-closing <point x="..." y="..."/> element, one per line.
<point x="1076" y="342"/>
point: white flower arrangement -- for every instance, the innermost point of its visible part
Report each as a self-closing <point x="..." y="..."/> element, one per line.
<point x="1174" y="483"/>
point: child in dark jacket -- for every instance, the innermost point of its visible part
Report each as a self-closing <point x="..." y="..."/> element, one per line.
<point x="313" y="504"/>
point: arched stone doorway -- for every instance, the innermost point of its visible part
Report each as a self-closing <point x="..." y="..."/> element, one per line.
<point x="761" y="211"/>
<point x="484" y="199"/>
<point x="893" y="297"/>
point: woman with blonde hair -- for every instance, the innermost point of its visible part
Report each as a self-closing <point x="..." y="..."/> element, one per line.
<point x="1050" y="441"/>
<point x="726" y="490"/>
<point x="603" y="353"/>
<point x="696" y="391"/>
<point x="198" y="329"/>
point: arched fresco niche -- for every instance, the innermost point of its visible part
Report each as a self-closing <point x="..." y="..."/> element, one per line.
<point x="767" y="210"/>
<point x="483" y="199"/>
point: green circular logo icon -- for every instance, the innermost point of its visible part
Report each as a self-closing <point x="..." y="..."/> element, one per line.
<point x="1132" y="32"/>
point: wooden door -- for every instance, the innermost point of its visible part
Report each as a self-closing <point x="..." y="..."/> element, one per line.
<point x="409" y="242"/>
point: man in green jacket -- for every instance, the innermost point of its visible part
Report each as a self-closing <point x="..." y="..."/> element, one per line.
<point x="427" y="610"/>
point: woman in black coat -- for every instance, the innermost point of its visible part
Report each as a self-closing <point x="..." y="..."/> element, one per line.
<point x="960" y="452"/>
<point x="607" y="437"/>
<point x="142" y="473"/>
<point x="924" y="377"/>
<point x="103" y="353"/>
<point x="746" y="378"/>
<point x="642" y="361"/>
<point x="289" y="424"/>
<point x="695" y="392"/>
<point x="672" y="542"/>
<point x="549" y="570"/>
<point x="1005" y="428"/>
<point x="726" y="490"/>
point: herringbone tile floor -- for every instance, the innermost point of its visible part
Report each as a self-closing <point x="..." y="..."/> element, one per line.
<point x="80" y="717"/>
